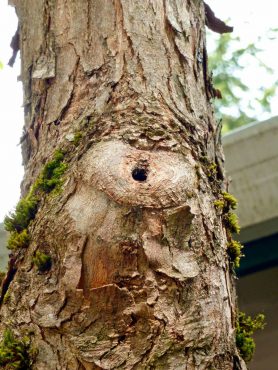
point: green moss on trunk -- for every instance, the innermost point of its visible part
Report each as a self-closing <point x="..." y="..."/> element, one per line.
<point x="245" y="328"/>
<point x="15" y="353"/>
<point x="42" y="261"/>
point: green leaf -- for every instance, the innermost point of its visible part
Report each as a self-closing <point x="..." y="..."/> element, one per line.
<point x="228" y="61"/>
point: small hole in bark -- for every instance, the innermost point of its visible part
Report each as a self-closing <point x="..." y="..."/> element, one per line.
<point x="122" y="338"/>
<point x="139" y="174"/>
<point x="133" y="319"/>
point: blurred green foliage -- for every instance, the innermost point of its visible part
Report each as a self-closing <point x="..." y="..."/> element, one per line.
<point x="228" y="61"/>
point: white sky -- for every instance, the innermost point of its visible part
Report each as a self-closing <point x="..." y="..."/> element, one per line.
<point x="11" y="115"/>
<point x="250" y="19"/>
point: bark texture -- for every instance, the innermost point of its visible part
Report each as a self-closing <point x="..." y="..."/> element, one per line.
<point x="140" y="277"/>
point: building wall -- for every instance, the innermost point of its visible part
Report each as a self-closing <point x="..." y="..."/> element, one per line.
<point x="258" y="293"/>
<point x="252" y="163"/>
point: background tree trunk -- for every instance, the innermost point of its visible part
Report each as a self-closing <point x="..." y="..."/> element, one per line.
<point x="140" y="277"/>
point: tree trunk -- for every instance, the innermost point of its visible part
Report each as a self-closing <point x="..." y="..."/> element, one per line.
<point x="140" y="277"/>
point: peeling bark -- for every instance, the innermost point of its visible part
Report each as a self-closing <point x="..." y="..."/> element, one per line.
<point x="140" y="277"/>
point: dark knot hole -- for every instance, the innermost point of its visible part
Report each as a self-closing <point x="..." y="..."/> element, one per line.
<point x="140" y="174"/>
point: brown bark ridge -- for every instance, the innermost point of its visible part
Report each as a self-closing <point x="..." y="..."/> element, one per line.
<point x="140" y="277"/>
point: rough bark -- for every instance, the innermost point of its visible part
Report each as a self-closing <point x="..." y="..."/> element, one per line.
<point x="140" y="277"/>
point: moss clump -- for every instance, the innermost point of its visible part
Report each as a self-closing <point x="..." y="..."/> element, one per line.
<point x="219" y="204"/>
<point x="245" y="328"/>
<point x="77" y="137"/>
<point x="226" y="202"/>
<point x="7" y="296"/>
<point x="19" y="240"/>
<point x="15" y="353"/>
<point x="25" y="212"/>
<point x="212" y="170"/>
<point x="52" y="172"/>
<point x="210" y="167"/>
<point x="42" y="261"/>
<point x="18" y="221"/>
<point x="231" y="221"/>
<point x="234" y="251"/>
<point x="230" y="200"/>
